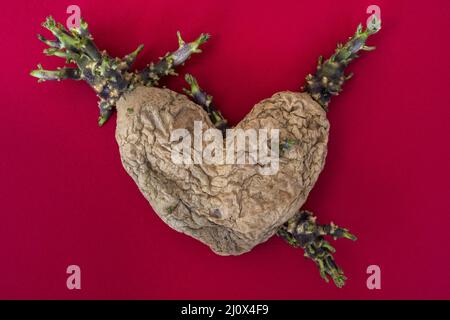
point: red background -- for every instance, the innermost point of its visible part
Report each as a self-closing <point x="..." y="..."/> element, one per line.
<point x="65" y="198"/>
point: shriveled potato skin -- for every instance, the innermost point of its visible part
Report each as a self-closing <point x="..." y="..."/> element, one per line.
<point x="231" y="208"/>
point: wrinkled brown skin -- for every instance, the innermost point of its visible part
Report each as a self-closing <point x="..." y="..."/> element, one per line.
<point x="230" y="208"/>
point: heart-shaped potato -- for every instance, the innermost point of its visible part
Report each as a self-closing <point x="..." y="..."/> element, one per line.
<point x="229" y="207"/>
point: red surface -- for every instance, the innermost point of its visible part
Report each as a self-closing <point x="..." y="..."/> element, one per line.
<point x="65" y="198"/>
